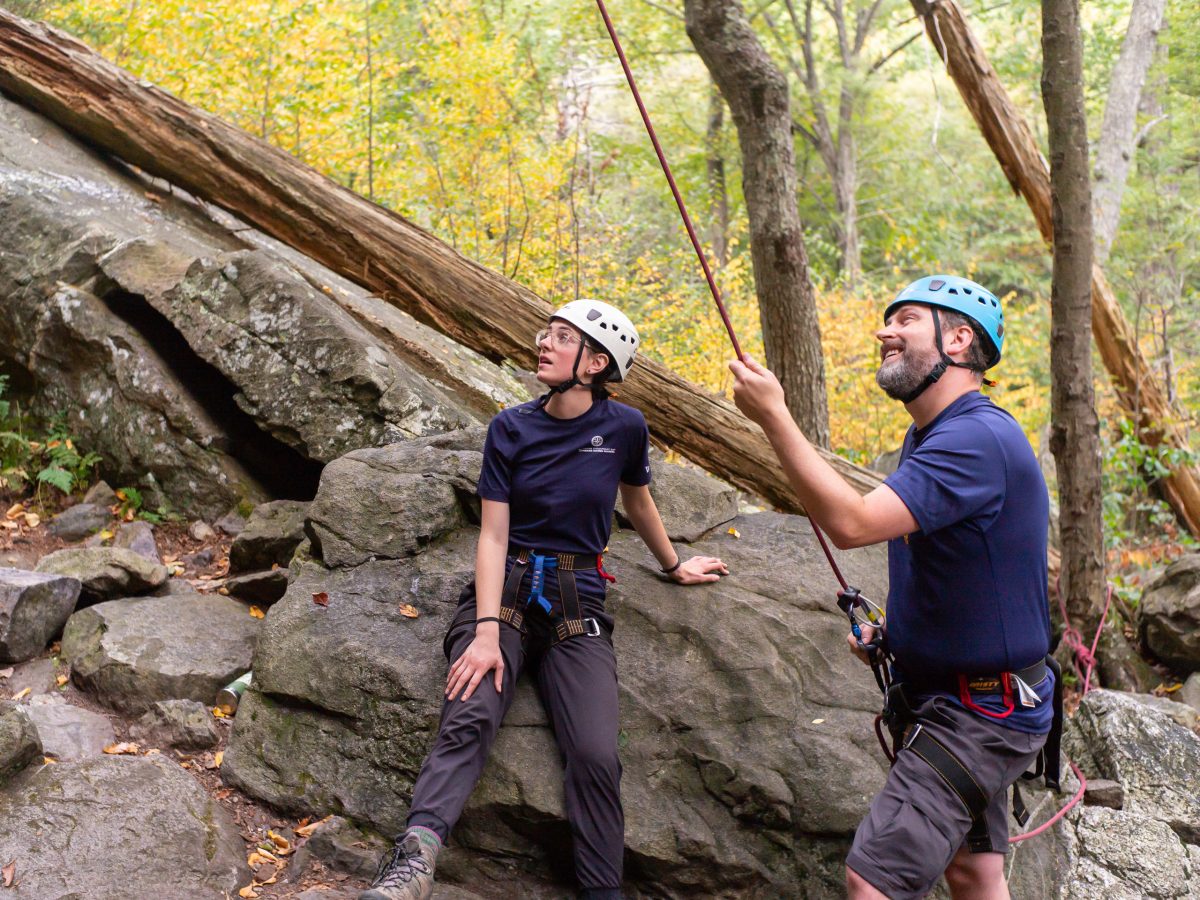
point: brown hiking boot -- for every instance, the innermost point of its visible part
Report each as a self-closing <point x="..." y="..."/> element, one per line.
<point x="406" y="873"/>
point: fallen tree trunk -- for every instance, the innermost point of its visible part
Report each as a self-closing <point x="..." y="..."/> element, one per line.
<point x="1007" y="133"/>
<point x="103" y="105"/>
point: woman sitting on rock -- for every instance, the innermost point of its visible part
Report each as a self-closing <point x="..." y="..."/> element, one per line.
<point x="551" y="472"/>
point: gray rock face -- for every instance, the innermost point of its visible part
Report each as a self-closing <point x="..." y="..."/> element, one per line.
<point x="1169" y="614"/>
<point x="119" y="827"/>
<point x="183" y="724"/>
<point x="1120" y="855"/>
<point x="389" y="502"/>
<point x="37" y="674"/>
<point x="689" y="500"/>
<point x="105" y="571"/>
<point x="68" y="732"/>
<point x="1156" y="761"/>
<point x="131" y="653"/>
<point x="346" y="848"/>
<point x="114" y="301"/>
<point x="33" y="609"/>
<point x="1190" y="693"/>
<point x="138" y="536"/>
<point x="270" y="537"/>
<point x="19" y="744"/>
<point x="755" y="661"/>
<point x="77" y="522"/>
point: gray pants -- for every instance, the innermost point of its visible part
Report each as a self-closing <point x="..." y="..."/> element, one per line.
<point x="577" y="682"/>
<point x="917" y="823"/>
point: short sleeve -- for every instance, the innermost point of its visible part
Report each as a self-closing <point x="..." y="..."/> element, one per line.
<point x="957" y="473"/>
<point x="495" y="476"/>
<point x="636" y="471"/>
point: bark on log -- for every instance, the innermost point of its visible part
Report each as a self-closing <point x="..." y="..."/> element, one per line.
<point x="108" y="108"/>
<point x="1007" y="133"/>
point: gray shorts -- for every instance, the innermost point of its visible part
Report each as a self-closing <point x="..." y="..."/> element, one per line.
<point x="917" y="823"/>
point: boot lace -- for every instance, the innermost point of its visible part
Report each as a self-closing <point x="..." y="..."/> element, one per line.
<point x="401" y="866"/>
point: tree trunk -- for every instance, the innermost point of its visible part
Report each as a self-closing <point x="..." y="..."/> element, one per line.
<point x="718" y="195"/>
<point x="1007" y="133"/>
<point x="1114" y="153"/>
<point x="757" y="95"/>
<point x="1075" y="429"/>
<point x="63" y="80"/>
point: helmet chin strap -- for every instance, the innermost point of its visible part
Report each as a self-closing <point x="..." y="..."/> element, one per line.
<point x="566" y="385"/>
<point x="940" y="368"/>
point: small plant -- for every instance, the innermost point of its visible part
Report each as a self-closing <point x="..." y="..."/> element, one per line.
<point x="133" y="506"/>
<point x="1131" y="513"/>
<point x="55" y="460"/>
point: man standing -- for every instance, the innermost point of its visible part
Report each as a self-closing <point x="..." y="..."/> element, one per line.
<point x="965" y="516"/>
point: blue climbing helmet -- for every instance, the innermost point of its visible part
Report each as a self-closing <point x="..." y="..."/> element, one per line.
<point x="962" y="296"/>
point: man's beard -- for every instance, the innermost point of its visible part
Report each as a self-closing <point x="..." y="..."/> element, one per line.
<point x="900" y="377"/>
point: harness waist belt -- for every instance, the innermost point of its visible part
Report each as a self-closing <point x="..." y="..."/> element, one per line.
<point x="995" y="684"/>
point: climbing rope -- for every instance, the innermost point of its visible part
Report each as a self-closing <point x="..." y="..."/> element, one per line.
<point x="849" y="598"/>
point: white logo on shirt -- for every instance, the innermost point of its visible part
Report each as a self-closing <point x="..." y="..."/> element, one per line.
<point x="597" y="440"/>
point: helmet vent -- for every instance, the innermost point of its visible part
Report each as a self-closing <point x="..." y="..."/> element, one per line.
<point x="622" y="337"/>
<point x="593" y="315"/>
<point x="936" y="285"/>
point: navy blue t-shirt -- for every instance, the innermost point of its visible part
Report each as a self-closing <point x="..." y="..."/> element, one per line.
<point x="968" y="590"/>
<point x="559" y="476"/>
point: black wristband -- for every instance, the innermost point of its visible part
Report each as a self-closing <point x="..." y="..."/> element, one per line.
<point x="678" y="563"/>
<point x="487" y="619"/>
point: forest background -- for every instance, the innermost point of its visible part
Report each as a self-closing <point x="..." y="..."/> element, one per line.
<point x="505" y="128"/>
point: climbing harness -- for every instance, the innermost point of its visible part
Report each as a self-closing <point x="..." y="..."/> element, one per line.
<point x="568" y="620"/>
<point x="909" y="735"/>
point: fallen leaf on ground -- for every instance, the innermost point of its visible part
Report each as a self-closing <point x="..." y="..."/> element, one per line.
<point x="218" y="713"/>
<point x="125" y="747"/>
<point x="9" y="872"/>
<point x="249" y="892"/>
<point x="4" y="673"/>
<point x="308" y="829"/>
<point x="256" y="612"/>
<point x="734" y="532"/>
<point x="223" y="794"/>
<point x="105" y="535"/>
<point x="218" y="758"/>
<point x="62" y="679"/>
<point x="282" y="844"/>
<point x="153" y="751"/>
<point x="223" y="591"/>
<point x="409" y="611"/>
<point x="818" y="721"/>
<point x="32" y="519"/>
<point x="48" y="760"/>
<point x="15" y="510"/>
<point x="321" y="599"/>
<point x="11" y="526"/>
<point x="24" y="693"/>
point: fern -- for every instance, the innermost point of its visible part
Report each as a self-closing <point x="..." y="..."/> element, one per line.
<point x="58" y="477"/>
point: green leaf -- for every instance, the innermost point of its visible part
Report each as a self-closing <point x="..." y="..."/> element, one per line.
<point x="60" y="478"/>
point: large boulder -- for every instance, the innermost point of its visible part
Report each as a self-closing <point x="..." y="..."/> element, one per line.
<point x="19" y="744"/>
<point x="191" y="355"/>
<point x="138" y="536"/>
<point x="133" y="652"/>
<point x="270" y="537"/>
<point x="389" y="502"/>
<point x="33" y="608"/>
<point x="1169" y="614"/>
<point x="346" y="699"/>
<point x="105" y="572"/>
<point x="184" y="724"/>
<point x="1122" y="855"/>
<point x="118" y="827"/>
<point x="689" y="500"/>
<point x="1156" y="760"/>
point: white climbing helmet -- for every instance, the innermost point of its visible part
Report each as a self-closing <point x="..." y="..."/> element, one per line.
<point x="607" y="326"/>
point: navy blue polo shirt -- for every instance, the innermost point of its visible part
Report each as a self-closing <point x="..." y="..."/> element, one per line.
<point x="968" y="590"/>
<point x="560" y="476"/>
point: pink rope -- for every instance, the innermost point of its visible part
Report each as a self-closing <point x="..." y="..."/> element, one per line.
<point x="1080" y="655"/>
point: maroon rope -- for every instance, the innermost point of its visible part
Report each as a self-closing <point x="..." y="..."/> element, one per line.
<point x="662" y="159"/>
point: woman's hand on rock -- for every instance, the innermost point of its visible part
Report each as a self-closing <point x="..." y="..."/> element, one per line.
<point x="699" y="569"/>
<point x="482" y="656"/>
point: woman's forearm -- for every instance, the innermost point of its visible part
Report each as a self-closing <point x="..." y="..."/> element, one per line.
<point x="489" y="558"/>
<point x="643" y="514"/>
